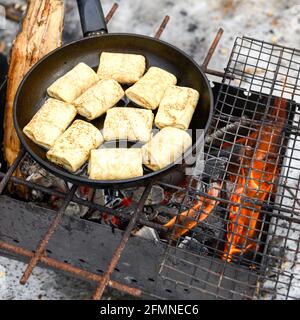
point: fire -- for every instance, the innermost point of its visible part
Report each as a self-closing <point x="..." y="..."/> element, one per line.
<point x="199" y="212"/>
<point x="253" y="184"/>
<point x="255" y="181"/>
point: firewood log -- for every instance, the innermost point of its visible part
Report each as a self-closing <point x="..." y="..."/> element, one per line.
<point x="41" y="32"/>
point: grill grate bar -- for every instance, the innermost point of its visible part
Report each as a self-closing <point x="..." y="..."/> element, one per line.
<point x="162" y="27"/>
<point x="44" y="241"/>
<point x="111" y="12"/>
<point x="40" y="251"/>
<point x="132" y="223"/>
<point x="212" y="49"/>
<point x="258" y="76"/>
<point x="259" y="94"/>
<point x="53" y="263"/>
<point x="209" y="55"/>
<point x="117" y="254"/>
<point x="11" y="170"/>
<point x="120" y="213"/>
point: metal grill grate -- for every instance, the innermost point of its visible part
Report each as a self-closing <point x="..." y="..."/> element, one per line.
<point x="248" y="246"/>
<point x="258" y="96"/>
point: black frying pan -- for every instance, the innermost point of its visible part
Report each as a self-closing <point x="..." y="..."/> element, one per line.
<point x="32" y="90"/>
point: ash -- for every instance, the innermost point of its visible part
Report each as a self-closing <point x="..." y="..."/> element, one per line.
<point x="284" y="236"/>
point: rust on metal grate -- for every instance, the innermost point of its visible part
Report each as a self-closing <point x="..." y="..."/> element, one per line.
<point x="53" y="263"/>
<point x="209" y="55"/>
<point x="44" y="241"/>
<point x="212" y="49"/>
<point x="39" y="252"/>
<point x="111" y="12"/>
<point x="11" y="170"/>
<point x="134" y="218"/>
<point x="117" y="254"/>
<point x="162" y="27"/>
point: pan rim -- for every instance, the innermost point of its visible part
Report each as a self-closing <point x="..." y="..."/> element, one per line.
<point x="80" y="180"/>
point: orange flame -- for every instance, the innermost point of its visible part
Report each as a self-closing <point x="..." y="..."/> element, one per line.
<point x="256" y="182"/>
<point x="199" y="212"/>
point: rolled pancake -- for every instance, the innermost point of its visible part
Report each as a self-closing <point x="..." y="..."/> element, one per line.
<point x="99" y="98"/>
<point x="72" y="149"/>
<point x="50" y="122"/>
<point x="73" y="83"/>
<point x="132" y="124"/>
<point x="149" y="90"/>
<point x="122" y="67"/>
<point x="165" y="148"/>
<point x="177" y="107"/>
<point x="115" y="164"/>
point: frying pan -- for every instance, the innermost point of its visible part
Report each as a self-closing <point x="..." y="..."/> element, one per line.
<point x="32" y="91"/>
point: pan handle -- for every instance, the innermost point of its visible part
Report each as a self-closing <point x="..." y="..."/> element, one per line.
<point x="91" y="17"/>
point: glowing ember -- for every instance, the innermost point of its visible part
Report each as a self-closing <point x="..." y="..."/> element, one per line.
<point x="255" y="181"/>
<point x="199" y="212"/>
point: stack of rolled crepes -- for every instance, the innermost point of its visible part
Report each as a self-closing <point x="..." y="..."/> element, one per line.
<point x="91" y="94"/>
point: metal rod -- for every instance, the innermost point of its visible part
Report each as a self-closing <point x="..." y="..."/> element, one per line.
<point x="104" y="281"/>
<point x="111" y="12"/>
<point x="116" y="257"/>
<point x="11" y="170"/>
<point x="272" y="44"/>
<point x="44" y="241"/>
<point x="219" y="74"/>
<point x="212" y="49"/>
<point x="209" y="55"/>
<point x="289" y="190"/>
<point x="116" y="212"/>
<point x="210" y="52"/>
<point x="53" y="263"/>
<point x="229" y="128"/>
<point x="162" y="27"/>
<point x="61" y="194"/>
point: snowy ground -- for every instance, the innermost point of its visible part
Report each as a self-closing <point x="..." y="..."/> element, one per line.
<point x="192" y="27"/>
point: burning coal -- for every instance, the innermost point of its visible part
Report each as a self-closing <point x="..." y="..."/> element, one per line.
<point x="188" y="219"/>
<point x="254" y="181"/>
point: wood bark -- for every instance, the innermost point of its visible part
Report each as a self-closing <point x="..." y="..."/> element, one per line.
<point x="41" y="32"/>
